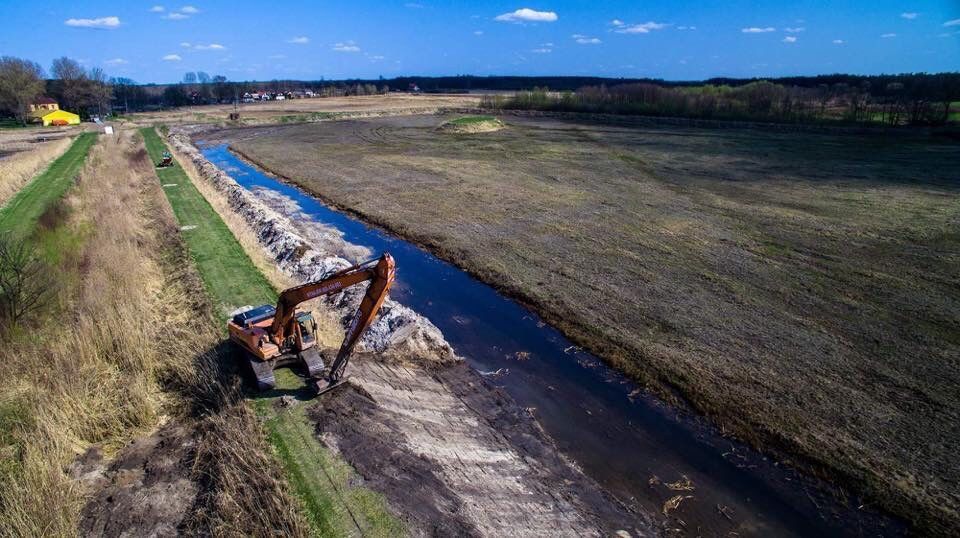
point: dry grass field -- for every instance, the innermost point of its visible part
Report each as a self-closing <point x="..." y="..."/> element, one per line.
<point x="301" y="110"/>
<point x="801" y="289"/>
<point x="127" y="349"/>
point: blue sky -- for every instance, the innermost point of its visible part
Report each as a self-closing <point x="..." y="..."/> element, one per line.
<point x="157" y="41"/>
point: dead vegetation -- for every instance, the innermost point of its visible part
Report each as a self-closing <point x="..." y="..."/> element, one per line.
<point x="28" y="160"/>
<point x="798" y="288"/>
<point x="130" y="344"/>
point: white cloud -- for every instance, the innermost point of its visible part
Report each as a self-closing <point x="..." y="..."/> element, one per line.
<point x="954" y="22"/>
<point x="176" y="16"/>
<point x="796" y="30"/>
<point x="349" y="46"/>
<point x="101" y="22"/>
<point x="888" y="35"/>
<point x="643" y="28"/>
<point x="585" y="40"/>
<point x="527" y="15"/>
<point x="189" y="9"/>
<point x="838" y="42"/>
<point x="299" y="40"/>
<point x="756" y="30"/>
<point x="172" y="58"/>
<point x="157" y="9"/>
<point x="377" y="57"/>
<point x="115" y="61"/>
<point x="616" y="22"/>
<point x="211" y="46"/>
<point x="542" y="50"/>
<point x="478" y="32"/>
<point x="185" y="44"/>
<point x="686" y="27"/>
<point x="909" y="15"/>
<point x="789" y="39"/>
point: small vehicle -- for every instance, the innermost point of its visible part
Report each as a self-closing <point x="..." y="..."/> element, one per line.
<point x="166" y="160"/>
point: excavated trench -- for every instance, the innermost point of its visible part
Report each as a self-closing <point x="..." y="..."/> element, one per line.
<point x="659" y="462"/>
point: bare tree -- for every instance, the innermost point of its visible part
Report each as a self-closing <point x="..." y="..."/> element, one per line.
<point x="72" y="82"/>
<point x="21" y="81"/>
<point x="26" y="282"/>
<point x="99" y="91"/>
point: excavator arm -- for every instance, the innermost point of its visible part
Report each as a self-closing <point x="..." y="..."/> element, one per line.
<point x="381" y="274"/>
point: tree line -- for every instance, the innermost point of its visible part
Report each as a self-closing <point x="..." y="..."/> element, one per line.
<point x="912" y="98"/>
<point x="889" y="100"/>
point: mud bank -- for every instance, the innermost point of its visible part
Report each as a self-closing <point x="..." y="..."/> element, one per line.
<point x="451" y="453"/>
<point x="398" y="331"/>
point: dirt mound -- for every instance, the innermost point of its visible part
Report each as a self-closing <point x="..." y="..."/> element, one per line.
<point x="473" y="124"/>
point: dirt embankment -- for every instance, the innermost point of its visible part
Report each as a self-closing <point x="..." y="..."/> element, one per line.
<point x="398" y="330"/>
<point x="450" y="453"/>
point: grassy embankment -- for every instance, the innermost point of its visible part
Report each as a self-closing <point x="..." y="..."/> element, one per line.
<point x="125" y="319"/>
<point x="323" y="483"/>
<point x="19" y="216"/>
<point x="799" y="289"/>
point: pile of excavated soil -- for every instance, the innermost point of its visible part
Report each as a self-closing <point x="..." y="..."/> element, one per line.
<point x="472" y="127"/>
<point x="398" y="331"/>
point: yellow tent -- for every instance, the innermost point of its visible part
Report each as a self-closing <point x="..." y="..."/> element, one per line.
<point x="60" y="117"/>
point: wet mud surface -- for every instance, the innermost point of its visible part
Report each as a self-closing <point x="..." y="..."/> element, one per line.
<point x="457" y="456"/>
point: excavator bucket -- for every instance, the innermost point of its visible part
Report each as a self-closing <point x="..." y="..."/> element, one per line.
<point x="325" y="385"/>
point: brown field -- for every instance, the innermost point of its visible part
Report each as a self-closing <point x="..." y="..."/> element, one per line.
<point x="301" y="110"/>
<point x="801" y="289"/>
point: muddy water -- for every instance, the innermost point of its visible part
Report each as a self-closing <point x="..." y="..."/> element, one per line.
<point x="627" y="440"/>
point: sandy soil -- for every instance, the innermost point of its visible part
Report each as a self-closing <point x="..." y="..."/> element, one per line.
<point x="796" y="287"/>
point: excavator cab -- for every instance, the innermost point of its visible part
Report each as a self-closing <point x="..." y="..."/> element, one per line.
<point x="270" y="337"/>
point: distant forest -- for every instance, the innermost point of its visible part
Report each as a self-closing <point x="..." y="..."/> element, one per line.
<point x="911" y="98"/>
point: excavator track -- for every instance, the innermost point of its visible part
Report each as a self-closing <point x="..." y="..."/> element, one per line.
<point x="262" y="371"/>
<point x="312" y="362"/>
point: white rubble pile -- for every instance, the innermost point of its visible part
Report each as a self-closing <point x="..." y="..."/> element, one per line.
<point x="397" y="331"/>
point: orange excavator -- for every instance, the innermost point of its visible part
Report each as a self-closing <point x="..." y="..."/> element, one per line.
<point x="271" y="337"/>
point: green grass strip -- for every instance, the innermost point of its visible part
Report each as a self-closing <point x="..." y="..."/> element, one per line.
<point x="230" y="276"/>
<point x="322" y="482"/>
<point x="19" y="217"/>
<point x="469" y="120"/>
